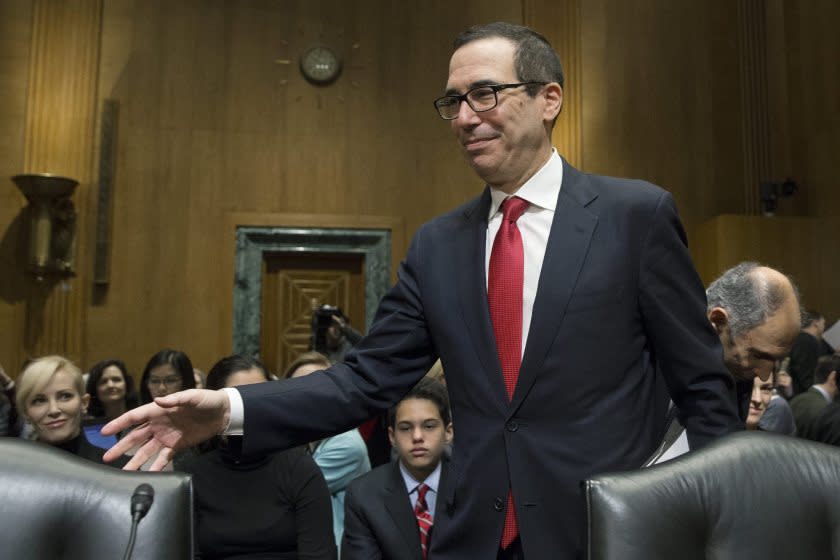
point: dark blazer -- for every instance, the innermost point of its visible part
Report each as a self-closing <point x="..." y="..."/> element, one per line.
<point x="806" y="408"/>
<point x="619" y="323"/>
<point x="379" y="522"/>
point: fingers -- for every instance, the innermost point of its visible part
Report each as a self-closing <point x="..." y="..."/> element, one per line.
<point x="131" y="418"/>
<point x="133" y="439"/>
<point x="146" y="452"/>
<point x="163" y="459"/>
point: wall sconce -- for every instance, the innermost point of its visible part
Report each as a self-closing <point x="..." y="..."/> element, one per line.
<point x="52" y="232"/>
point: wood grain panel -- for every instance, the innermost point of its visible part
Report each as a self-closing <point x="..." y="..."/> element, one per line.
<point x="15" y="43"/>
<point x="794" y="245"/>
<point x="59" y="139"/>
<point x="661" y="99"/>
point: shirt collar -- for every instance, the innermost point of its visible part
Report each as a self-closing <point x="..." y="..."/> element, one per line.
<point x="541" y="190"/>
<point x="823" y="392"/>
<point x="411" y="483"/>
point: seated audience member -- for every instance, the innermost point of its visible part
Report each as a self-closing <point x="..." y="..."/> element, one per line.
<point x="199" y="376"/>
<point x="111" y="390"/>
<point x="270" y="506"/>
<point x="759" y="399"/>
<point x="806" y="350"/>
<point x="420" y="428"/>
<point x="778" y="417"/>
<point x="808" y="405"/>
<point x="52" y="398"/>
<point x="167" y="372"/>
<point x="9" y="425"/>
<point x="341" y="458"/>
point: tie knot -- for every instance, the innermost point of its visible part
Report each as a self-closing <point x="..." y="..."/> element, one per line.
<point x="512" y="208"/>
<point x="422" y="489"/>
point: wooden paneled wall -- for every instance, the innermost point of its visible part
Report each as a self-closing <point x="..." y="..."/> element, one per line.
<point x="215" y="121"/>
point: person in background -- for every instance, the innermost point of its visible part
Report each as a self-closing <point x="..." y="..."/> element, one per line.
<point x="257" y="507"/>
<point x="111" y="390"/>
<point x="9" y="425"/>
<point x="759" y="399"/>
<point x="167" y="372"/>
<point x="343" y="457"/>
<point x="806" y="350"/>
<point x="420" y="429"/>
<point x="200" y="378"/>
<point x="51" y="396"/>
<point x="808" y="406"/>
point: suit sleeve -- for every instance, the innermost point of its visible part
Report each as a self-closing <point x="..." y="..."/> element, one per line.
<point x="358" y="542"/>
<point x="687" y="350"/>
<point x="387" y="362"/>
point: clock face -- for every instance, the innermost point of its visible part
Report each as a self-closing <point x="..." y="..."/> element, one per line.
<point x="320" y="65"/>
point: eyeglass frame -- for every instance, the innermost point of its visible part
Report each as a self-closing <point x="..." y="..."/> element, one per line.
<point x="169" y="381"/>
<point x="495" y="88"/>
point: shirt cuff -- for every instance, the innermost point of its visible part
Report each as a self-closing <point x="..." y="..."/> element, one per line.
<point x="236" y="423"/>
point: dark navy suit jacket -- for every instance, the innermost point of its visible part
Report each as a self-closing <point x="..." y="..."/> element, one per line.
<point x="379" y="522"/>
<point x="618" y="325"/>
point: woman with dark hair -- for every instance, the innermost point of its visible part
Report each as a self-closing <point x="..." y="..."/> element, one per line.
<point x="111" y="390"/>
<point x="269" y="506"/>
<point x="167" y="372"/>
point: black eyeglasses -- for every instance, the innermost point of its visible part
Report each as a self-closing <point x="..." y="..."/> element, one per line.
<point x="480" y="99"/>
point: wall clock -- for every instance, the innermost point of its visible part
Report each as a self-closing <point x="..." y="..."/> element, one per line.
<point x="320" y="65"/>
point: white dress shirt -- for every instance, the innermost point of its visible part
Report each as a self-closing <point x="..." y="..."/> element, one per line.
<point x="541" y="191"/>
<point x="411" y="485"/>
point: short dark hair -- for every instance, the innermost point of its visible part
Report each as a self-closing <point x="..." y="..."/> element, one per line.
<point x="305" y="359"/>
<point x="179" y="361"/>
<point x="95" y="407"/>
<point x="227" y="366"/>
<point x="748" y="298"/>
<point x="810" y="316"/>
<point x="428" y="389"/>
<point x="534" y="58"/>
<point x="825" y="365"/>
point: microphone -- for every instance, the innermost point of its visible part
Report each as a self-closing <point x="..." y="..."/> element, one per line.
<point x="141" y="503"/>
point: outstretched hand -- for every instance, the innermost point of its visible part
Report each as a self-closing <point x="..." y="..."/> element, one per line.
<point x="169" y="424"/>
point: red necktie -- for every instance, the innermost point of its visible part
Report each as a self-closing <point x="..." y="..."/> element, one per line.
<point x="504" y="293"/>
<point x="424" y="518"/>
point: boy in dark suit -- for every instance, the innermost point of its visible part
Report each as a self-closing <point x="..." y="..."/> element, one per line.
<point x="420" y="429"/>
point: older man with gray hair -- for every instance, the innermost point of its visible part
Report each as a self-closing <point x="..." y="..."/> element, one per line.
<point x="756" y="313"/>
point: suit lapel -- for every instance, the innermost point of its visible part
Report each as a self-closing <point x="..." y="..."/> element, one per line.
<point x="399" y="508"/>
<point x="470" y="253"/>
<point x="568" y="243"/>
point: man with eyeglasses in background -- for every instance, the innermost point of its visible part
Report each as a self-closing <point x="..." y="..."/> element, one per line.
<point x="519" y="292"/>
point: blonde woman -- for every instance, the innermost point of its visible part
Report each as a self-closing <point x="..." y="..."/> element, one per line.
<point x="51" y="396"/>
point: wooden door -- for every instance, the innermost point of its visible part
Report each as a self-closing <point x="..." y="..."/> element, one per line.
<point x="293" y="284"/>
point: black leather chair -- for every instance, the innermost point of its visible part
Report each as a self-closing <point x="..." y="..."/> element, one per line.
<point x="56" y="506"/>
<point x="751" y="495"/>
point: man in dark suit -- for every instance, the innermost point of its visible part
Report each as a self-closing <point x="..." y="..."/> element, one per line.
<point x="419" y="428"/>
<point x="519" y="296"/>
<point x="808" y="406"/>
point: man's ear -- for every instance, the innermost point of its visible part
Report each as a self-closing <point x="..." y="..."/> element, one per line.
<point x="832" y="378"/>
<point x="553" y="95"/>
<point x="448" y="433"/>
<point x="391" y="436"/>
<point x="718" y="318"/>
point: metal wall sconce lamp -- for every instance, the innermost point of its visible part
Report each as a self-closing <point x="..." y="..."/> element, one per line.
<point x="52" y="217"/>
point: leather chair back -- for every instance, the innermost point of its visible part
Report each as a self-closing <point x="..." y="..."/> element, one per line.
<point x="56" y="506"/>
<point x="749" y="495"/>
